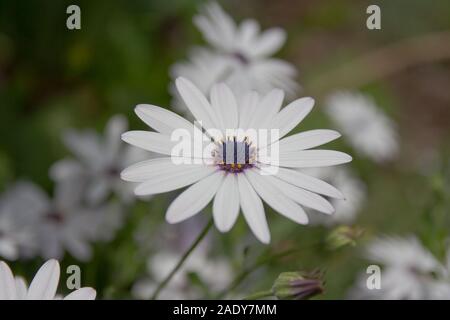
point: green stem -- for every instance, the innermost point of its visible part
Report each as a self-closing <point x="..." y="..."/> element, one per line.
<point x="259" y="295"/>
<point x="182" y="259"/>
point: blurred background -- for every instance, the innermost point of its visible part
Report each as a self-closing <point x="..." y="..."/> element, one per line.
<point x="53" y="79"/>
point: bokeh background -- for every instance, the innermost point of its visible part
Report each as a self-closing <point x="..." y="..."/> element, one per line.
<point x="52" y="79"/>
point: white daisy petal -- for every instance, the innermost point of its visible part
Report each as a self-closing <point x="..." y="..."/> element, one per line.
<point x="291" y="115"/>
<point x="115" y="127"/>
<point x="226" y="204"/>
<point x="7" y="283"/>
<point x="248" y="108"/>
<point x="268" y="108"/>
<point x="149" y="169"/>
<point x="45" y="282"/>
<point x="307" y="140"/>
<point x="197" y="103"/>
<point x="173" y="180"/>
<point x="313" y="158"/>
<point x="307" y="182"/>
<point x="253" y="210"/>
<point x="267" y="189"/>
<point x="21" y="288"/>
<point x="269" y="42"/>
<point x="162" y="120"/>
<point x="150" y="141"/>
<point x="194" y="198"/>
<point x="82" y="294"/>
<point x="225" y="106"/>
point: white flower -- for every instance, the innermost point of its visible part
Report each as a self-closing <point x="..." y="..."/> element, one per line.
<point x="99" y="160"/>
<point x="214" y="273"/>
<point x="240" y="55"/>
<point x="236" y="182"/>
<point x="17" y="229"/>
<point x="64" y="223"/>
<point x="43" y="286"/>
<point x="353" y="189"/>
<point x="365" y="126"/>
<point x="409" y="271"/>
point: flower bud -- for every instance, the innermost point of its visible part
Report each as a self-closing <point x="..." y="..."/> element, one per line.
<point x="344" y="236"/>
<point x="297" y="285"/>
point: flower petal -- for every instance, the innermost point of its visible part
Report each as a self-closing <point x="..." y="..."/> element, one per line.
<point x="269" y="42"/>
<point x="173" y="180"/>
<point x="82" y="294"/>
<point x="194" y="198"/>
<point x="310" y="183"/>
<point x="307" y="140"/>
<point x="268" y="190"/>
<point x="248" y="107"/>
<point x="45" y="282"/>
<point x="267" y="109"/>
<point x="291" y="115"/>
<point x="197" y="103"/>
<point x="226" y="204"/>
<point x="253" y="210"/>
<point x="313" y="158"/>
<point x="162" y="120"/>
<point x="7" y="283"/>
<point x="151" y="141"/>
<point x="225" y="106"/>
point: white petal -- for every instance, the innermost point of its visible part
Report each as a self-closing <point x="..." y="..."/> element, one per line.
<point x="268" y="191"/>
<point x="151" y="141"/>
<point x="309" y="183"/>
<point x="21" y="288"/>
<point x="248" y="30"/>
<point x="197" y="103"/>
<point x="269" y="42"/>
<point x="7" y="283"/>
<point x="224" y="104"/>
<point x="45" y="282"/>
<point x="301" y="196"/>
<point x="291" y="115"/>
<point x="173" y="180"/>
<point x="313" y="158"/>
<point x="226" y="204"/>
<point x="267" y="109"/>
<point x="162" y="120"/>
<point x="194" y="198"/>
<point x="82" y="294"/>
<point x="253" y="210"/>
<point x="149" y="169"/>
<point x="248" y="107"/>
<point x="307" y="140"/>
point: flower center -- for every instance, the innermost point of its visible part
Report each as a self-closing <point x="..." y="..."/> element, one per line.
<point x="55" y="216"/>
<point x="234" y="156"/>
<point x="240" y="57"/>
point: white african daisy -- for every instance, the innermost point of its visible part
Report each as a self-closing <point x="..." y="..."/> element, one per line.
<point x="64" y="223"/>
<point x="409" y="271"/>
<point x="99" y="160"/>
<point x="43" y="286"/>
<point x="364" y="125"/>
<point x="233" y="172"/>
<point x="240" y="56"/>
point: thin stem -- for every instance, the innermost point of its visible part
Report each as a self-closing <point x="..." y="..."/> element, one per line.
<point x="259" y="295"/>
<point x="183" y="259"/>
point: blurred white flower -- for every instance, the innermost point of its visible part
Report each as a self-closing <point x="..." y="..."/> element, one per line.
<point x="409" y="271"/>
<point x="17" y="229"/>
<point x="64" y="223"/>
<point x="364" y="125"/>
<point x="233" y="184"/>
<point x="215" y="274"/>
<point x="240" y="55"/>
<point x="353" y="189"/>
<point x="43" y="286"/>
<point x="99" y="160"/>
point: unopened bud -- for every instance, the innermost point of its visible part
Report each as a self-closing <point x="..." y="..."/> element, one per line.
<point x="344" y="236"/>
<point x="297" y="285"/>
